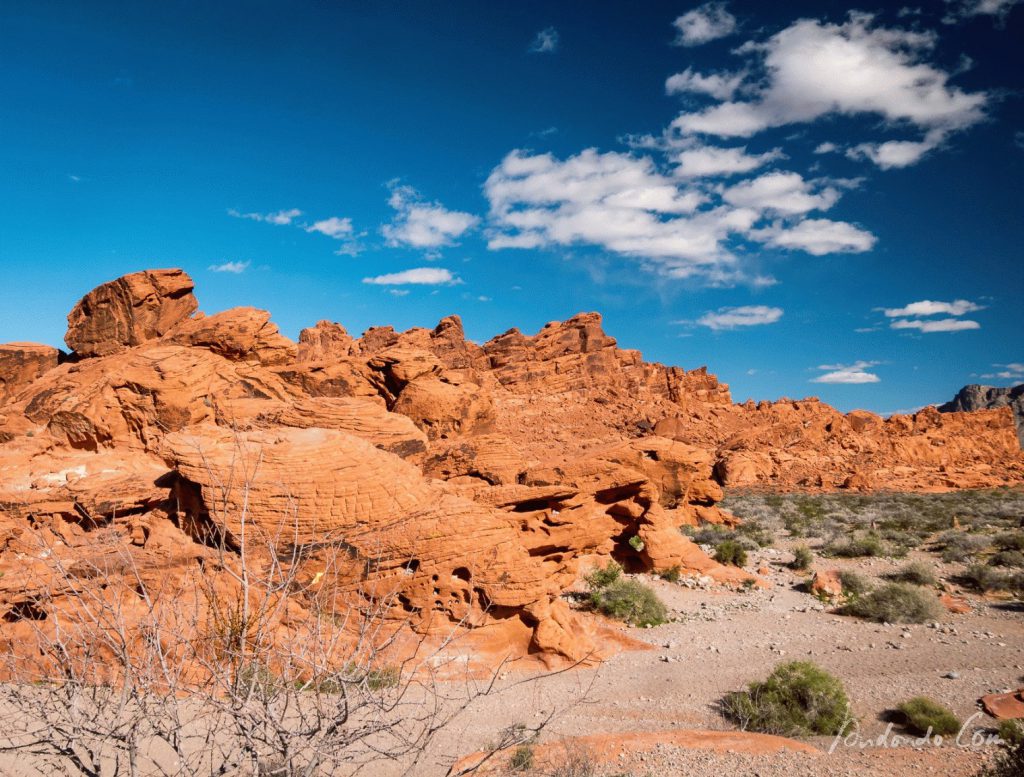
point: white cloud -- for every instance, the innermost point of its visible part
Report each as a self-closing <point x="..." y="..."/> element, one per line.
<point x="747" y="315"/>
<point x="786" y="193"/>
<point x="815" y="69"/>
<point x="421" y="276"/>
<point x="966" y="9"/>
<point x="936" y="325"/>
<point x="338" y="228"/>
<point x="281" y="217"/>
<point x="817" y="237"/>
<point x="896" y="153"/>
<point x="826" y="148"/>
<point x="704" y="23"/>
<point x="1011" y="371"/>
<point x="398" y="292"/>
<point x="721" y="86"/>
<point x="233" y="267"/>
<point x="419" y="224"/>
<point x="623" y="204"/>
<point x="545" y="42"/>
<point x="855" y="373"/>
<point x="707" y="161"/>
<point x="927" y="307"/>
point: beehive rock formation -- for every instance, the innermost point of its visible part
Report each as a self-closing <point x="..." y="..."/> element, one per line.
<point x="472" y="482"/>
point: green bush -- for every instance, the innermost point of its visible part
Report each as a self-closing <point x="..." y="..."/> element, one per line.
<point x="1008" y="763"/>
<point x="604" y="576"/>
<point x="854" y="585"/>
<point x="1011" y="732"/>
<point x="869" y="545"/>
<point x="926" y="717"/>
<point x="636" y="543"/>
<point x="731" y="552"/>
<point x="629" y="601"/>
<point x="672" y="574"/>
<point x="917" y="573"/>
<point x="957" y="546"/>
<point x="988" y="578"/>
<point x="1012" y="540"/>
<point x="522" y="759"/>
<point x="895" y="603"/>
<point x="1007" y="558"/>
<point x="797" y="699"/>
<point x="756" y="532"/>
<point x="802" y="558"/>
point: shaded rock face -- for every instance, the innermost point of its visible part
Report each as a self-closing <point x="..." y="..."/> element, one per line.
<point x="472" y="482"/>
<point x="974" y="397"/>
<point x="21" y="364"/>
<point x="129" y="311"/>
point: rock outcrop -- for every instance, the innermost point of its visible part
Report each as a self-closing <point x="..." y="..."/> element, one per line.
<point x="972" y="398"/>
<point x="466" y="485"/>
<point x="129" y="311"/>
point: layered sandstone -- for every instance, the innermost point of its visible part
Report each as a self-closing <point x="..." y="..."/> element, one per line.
<point x="467" y="486"/>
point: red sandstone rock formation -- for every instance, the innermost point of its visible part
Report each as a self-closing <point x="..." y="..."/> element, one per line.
<point x="471" y="482"/>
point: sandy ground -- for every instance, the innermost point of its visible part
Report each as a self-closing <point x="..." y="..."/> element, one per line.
<point x="724" y="639"/>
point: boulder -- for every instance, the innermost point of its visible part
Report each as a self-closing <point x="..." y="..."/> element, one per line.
<point x="129" y="311"/>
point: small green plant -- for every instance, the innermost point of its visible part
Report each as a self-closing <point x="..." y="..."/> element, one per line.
<point x="867" y="546"/>
<point x="1011" y="732"/>
<point x="522" y="759"/>
<point x="988" y="578"/>
<point x="756" y="532"/>
<point x="672" y="574"/>
<point x="1012" y="540"/>
<point x="629" y="601"/>
<point x="601" y="577"/>
<point x="854" y="584"/>
<point x="731" y="552"/>
<point x="895" y="603"/>
<point x="926" y="717"/>
<point x="803" y="557"/>
<point x="797" y="699"/>
<point x="636" y="543"/>
<point x="957" y="546"/>
<point x="1007" y="558"/>
<point x="916" y="573"/>
<point x="1009" y="762"/>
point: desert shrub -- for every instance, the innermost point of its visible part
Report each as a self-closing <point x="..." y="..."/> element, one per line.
<point x="731" y="552"/>
<point x="917" y="573"/>
<point x="1011" y="540"/>
<point x="756" y="532"/>
<point x="956" y="546"/>
<point x="1011" y="732"/>
<point x="802" y="558"/>
<point x="604" y="576"/>
<point x="797" y="699"/>
<point x="711" y="534"/>
<point x="672" y="574"/>
<point x="854" y="584"/>
<point x="636" y="543"/>
<point x="1007" y="558"/>
<point x="925" y="717"/>
<point x="1008" y="763"/>
<point x="988" y="578"/>
<point x="522" y="759"/>
<point x="629" y="601"/>
<point x="868" y="545"/>
<point x="895" y="603"/>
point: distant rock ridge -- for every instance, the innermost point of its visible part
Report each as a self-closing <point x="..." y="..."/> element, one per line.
<point x="974" y="397"/>
<point x="475" y="482"/>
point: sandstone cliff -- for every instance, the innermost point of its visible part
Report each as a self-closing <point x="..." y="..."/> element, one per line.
<point x="974" y="397"/>
<point x="468" y="485"/>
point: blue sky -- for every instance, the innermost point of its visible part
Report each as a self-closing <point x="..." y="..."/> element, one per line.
<point x="815" y="198"/>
